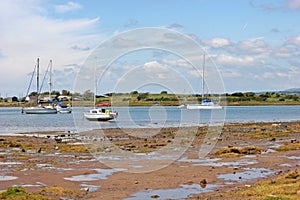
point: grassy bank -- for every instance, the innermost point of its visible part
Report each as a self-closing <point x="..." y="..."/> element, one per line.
<point x="165" y="99"/>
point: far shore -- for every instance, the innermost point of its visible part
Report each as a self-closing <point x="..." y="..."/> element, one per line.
<point x="85" y="104"/>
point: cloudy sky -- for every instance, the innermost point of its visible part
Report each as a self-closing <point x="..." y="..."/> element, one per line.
<point x="255" y="44"/>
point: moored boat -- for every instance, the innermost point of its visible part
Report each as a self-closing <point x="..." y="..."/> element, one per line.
<point x="206" y="104"/>
<point x="63" y="109"/>
<point x="103" y="104"/>
<point x="40" y="109"/>
<point x="98" y="114"/>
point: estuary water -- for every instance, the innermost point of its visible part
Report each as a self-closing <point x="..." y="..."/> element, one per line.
<point x="12" y="121"/>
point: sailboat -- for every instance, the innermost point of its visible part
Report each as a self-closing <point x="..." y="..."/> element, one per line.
<point x="100" y="114"/>
<point x="40" y="109"/>
<point x="63" y="109"/>
<point x="206" y="104"/>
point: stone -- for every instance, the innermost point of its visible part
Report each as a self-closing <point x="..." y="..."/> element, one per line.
<point x="203" y="183"/>
<point x="155" y="196"/>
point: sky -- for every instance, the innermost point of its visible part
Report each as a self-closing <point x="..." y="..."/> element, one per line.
<point x="255" y="44"/>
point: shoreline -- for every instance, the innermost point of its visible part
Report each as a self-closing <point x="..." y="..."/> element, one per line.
<point x="43" y="163"/>
<point x="20" y="105"/>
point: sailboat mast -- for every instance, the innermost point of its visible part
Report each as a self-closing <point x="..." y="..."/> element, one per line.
<point x="50" y="80"/>
<point x="95" y="90"/>
<point x="203" y="77"/>
<point x="37" y="77"/>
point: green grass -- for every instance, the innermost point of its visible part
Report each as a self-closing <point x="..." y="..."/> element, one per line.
<point x="283" y="187"/>
<point x="288" y="147"/>
<point x="19" y="193"/>
<point x="238" y="151"/>
<point x="270" y="134"/>
<point x="46" y="193"/>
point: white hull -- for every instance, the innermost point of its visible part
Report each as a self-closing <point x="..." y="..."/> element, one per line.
<point x="99" y="115"/>
<point x="182" y="106"/>
<point x="64" y="110"/>
<point x="203" y="107"/>
<point x="39" y="110"/>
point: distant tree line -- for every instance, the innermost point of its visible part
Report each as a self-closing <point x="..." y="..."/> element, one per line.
<point x="88" y="95"/>
<point x="267" y="96"/>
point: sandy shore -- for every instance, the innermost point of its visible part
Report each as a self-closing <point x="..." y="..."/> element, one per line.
<point x="153" y="164"/>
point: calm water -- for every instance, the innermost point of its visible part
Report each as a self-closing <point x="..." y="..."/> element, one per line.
<point x="11" y="119"/>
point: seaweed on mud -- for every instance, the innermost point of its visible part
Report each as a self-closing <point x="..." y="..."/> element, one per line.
<point x="238" y="151"/>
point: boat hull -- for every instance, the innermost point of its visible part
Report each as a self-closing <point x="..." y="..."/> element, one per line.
<point x="203" y="107"/>
<point x="99" y="116"/>
<point x="65" y="110"/>
<point x="39" y="110"/>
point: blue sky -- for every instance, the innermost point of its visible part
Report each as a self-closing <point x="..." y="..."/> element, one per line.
<point x="254" y="43"/>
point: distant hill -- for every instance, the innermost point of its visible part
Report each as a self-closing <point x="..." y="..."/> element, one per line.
<point x="291" y="91"/>
<point x="288" y="91"/>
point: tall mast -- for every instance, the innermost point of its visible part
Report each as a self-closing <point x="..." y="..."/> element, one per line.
<point x="37" y="77"/>
<point x="203" y="77"/>
<point x="95" y="89"/>
<point x="50" y="80"/>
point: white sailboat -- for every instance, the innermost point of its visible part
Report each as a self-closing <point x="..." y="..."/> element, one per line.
<point x="206" y="104"/>
<point x="100" y="114"/>
<point x="63" y="109"/>
<point x="40" y="109"/>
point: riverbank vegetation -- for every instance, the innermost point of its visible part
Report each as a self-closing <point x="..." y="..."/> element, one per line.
<point x="136" y="98"/>
<point x="164" y="99"/>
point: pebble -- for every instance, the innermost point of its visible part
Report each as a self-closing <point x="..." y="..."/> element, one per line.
<point x="203" y="183"/>
<point x="155" y="196"/>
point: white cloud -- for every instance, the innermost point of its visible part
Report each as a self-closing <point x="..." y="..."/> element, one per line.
<point x="231" y="74"/>
<point x="217" y="42"/>
<point x="176" y="63"/>
<point x="294" y="40"/>
<point x="176" y="26"/>
<point x="26" y="33"/>
<point x="253" y="46"/>
<point x="155" y="67"/>
<point x="293" y="4"/>
<point x="283" y="52"/>
<point x="275" y="6"/>
<point x="70" y="6"/>
<point x="125" y="43"/>
<point x="195" y="73"/>
<point x="268" y="75"/>
<point x="223" y="59"/>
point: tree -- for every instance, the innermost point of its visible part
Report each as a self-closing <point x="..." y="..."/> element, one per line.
<point x="164" y="92"/>
<point x="88" y="95"/>
<point x="237" y="94"/>
<point x="65" y="93"/>
<point x="56" y="93"/>
<point x="76" y="94"/>
<point x="33" y="94"/>
<point x="134" y="92"/>
<point x="250" y="94"/>
<point x="142" y="96"/>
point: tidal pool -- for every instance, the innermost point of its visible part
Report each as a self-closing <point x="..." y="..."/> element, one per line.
<point x="216" y="162"/>
<point x="184" y="191"/>
<point x="249" y="174"/>
<point x="8" y="178"/>
<point x="101" y="175"/>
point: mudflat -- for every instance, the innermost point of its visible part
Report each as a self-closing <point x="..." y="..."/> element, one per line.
<point x="145" y="164"/>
